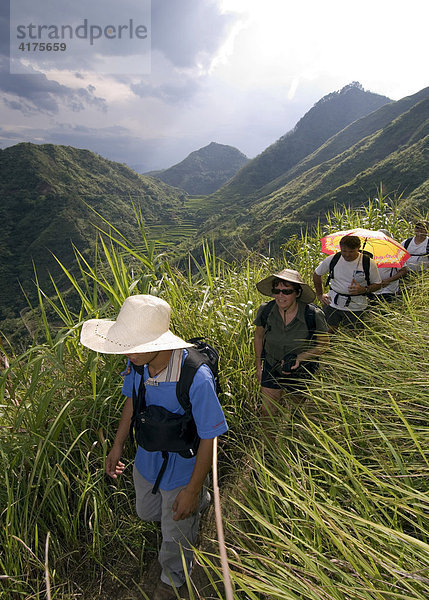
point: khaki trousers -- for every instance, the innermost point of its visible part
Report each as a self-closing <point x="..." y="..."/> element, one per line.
<point x="177" y="536"/>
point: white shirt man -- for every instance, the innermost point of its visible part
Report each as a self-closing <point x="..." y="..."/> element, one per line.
<point x="346" y="299"/>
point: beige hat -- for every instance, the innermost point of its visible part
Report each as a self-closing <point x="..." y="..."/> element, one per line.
<point x="289" y="276"/>
<point x="142" y="325"/>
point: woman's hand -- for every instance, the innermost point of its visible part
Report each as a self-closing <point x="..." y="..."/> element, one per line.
<point x="296" y="365"/>
<point x="293" y="367"/>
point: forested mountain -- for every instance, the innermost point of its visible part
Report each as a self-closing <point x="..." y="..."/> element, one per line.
<point x="389" y="146"/>
<point x="205" y="170"/>
<point x="346" y="138"/>
<point x="45" y="190"/>
<point x="328" y="116"/>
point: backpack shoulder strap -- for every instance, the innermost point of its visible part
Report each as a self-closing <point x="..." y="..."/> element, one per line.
<point x="191" y="364"/>
<point x="332" y="264"/>
<point x="407" y="243"/>
<point x="266" y="311"/>
<point x="366" y="263"/>
<point x="139" y="401"/>
<point x="310" y="319"/>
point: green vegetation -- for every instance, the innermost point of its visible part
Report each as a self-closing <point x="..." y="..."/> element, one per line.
<point x="50" y="199"/>
<point x="330" y="504"/>
<point x="340" y="150"/>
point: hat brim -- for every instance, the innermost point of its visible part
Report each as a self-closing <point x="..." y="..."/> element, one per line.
<point x="265" y="287"/>
<point x="99" y="335"/>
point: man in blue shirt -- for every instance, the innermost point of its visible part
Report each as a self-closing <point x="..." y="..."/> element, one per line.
<point x="141" y="332"/>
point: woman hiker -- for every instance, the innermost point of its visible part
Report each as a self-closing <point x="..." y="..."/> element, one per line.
<point x="290" y="336"/>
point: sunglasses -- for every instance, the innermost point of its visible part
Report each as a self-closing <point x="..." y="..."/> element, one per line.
<point x="286" y="292"/>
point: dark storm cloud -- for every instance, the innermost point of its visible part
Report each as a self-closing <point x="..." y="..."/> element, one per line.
<point x="4" y="28"/>
<point x="170" y="93"/>
<point x="37" y="93"/>
<point x="186" y="33"/>
<point x="183" y="30"/>
<point x="34" y="93"/>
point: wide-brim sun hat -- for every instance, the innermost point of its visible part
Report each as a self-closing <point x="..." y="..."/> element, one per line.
<point x="142" y="325"/>
<point x="265" y="286"/>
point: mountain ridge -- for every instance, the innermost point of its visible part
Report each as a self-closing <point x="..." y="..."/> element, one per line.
<point x="52" y="194"/>
<point x="344" y="139"/>
<point x="328" y="116"/>
<point x="294" y="204"/>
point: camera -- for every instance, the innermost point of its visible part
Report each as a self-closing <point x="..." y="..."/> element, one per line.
<point x="287" y="363"/>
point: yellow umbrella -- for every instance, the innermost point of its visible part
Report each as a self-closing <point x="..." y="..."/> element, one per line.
<point x="385" y="251"/>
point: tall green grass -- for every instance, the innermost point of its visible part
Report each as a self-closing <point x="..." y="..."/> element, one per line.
<point x="336" y="503"/>
<point x="332" y="503"/>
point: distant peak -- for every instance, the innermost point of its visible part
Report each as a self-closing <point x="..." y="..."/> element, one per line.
<point x="353" y="85"/>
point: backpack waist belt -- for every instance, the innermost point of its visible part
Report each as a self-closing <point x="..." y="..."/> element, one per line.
<point x="348" y="296"/>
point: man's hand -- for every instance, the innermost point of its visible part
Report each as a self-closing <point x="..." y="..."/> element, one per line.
<point x="356" y="289"/>
<point x="114" y="466"/>
<point x="259" y="373"/>
<point x="324" y="299"/>
<point x="185" y="504"/>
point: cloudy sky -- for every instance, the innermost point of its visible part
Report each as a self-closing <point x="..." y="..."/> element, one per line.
<point x="238" y="72"/>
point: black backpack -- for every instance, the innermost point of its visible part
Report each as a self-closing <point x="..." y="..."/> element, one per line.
<point x="157" y="429"/>
<point x="407" y="243"/>
<point x="366" y="256"/>
<point x="309" y="313"/>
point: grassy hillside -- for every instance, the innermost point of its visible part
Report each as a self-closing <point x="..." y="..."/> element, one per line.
<point x="50" y="192"/>
<point x="47" y="196"/>
<point x="329" y="503"/>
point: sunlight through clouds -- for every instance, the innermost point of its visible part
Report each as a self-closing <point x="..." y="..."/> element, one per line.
<point x="279" y="42"/>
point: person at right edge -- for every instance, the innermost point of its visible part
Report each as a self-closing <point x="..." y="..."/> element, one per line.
<point x="418" y="248"/>
<point x="390" y="277"/>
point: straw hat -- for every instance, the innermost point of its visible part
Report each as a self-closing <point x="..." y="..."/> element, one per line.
<point x="289" y="276"/>
<point x="142" y="325"/>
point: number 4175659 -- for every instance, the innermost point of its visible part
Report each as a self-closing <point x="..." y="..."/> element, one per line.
<point x="42" y="47"/>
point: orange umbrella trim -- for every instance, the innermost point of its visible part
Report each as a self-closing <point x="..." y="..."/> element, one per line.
<point x="386" y="251"/>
